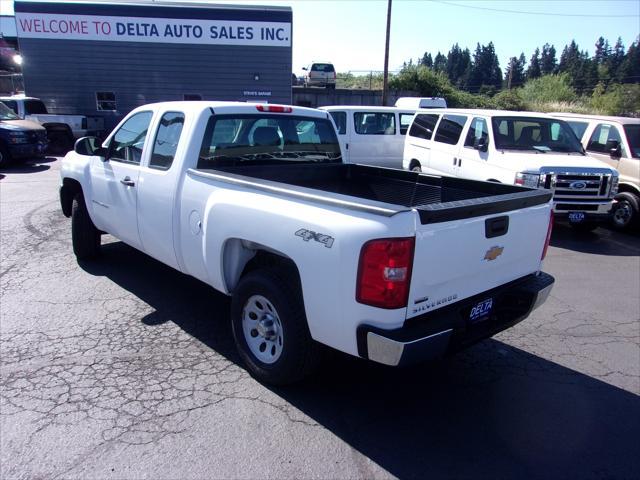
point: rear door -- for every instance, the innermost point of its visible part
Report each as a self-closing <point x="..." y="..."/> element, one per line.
<point x="115" y="181"/>
<point x="457" y="259"/>
<point x="446" y="143"/>
<point x="372" y="138"/>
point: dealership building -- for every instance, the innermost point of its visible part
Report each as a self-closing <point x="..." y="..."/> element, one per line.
<point x="106" y="58"/>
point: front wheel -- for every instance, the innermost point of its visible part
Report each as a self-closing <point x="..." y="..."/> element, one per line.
<point x="5" y="156"/>
<point x="625" y="212"/>
<point x="415" y="167"/>
<point x="270" y="328"/>
<point x="84" y="234"/>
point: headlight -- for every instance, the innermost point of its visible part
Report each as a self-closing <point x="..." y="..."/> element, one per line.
<point x="614" y="184"/>
<point x="18" y="137"/>
<point x="530" y="180"/>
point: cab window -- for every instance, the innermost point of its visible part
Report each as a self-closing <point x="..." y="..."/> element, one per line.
<point x="126" y="145"/>
<point x="166" y="143"/>
<point x="603" y="139"/>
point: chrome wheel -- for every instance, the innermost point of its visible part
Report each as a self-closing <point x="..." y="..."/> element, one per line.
<point x="622" y="214"/>
<point x="262" y="329"/>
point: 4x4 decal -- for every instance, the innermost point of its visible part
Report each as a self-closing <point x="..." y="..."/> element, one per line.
<point x="307" y="235"/>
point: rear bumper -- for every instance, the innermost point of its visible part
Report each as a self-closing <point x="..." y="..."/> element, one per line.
<point x="447" y="329"/>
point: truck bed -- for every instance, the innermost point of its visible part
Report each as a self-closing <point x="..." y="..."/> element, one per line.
<point x="436" y="198"/>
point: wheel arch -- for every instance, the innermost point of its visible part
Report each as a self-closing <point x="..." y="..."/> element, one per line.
<point x="629" y="188"/>
<point x="70" y="188"/>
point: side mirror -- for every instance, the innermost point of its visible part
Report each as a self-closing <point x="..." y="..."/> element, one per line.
<point x="616" y="150"/>
<point x="482" y="145"/>
<point x="90" y="146"/>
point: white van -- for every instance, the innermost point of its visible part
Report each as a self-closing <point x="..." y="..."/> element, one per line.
<point x="371" y="135"/>
<point x="421" y="102"/>
<point x="522" y="148"/>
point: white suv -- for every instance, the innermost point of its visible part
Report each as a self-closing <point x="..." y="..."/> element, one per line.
<point x="321" y="74"/>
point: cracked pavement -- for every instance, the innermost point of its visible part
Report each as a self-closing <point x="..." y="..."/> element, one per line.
<point x="124" y="368"/>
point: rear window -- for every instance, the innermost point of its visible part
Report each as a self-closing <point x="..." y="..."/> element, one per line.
<point x="267" y="139"/>
<point x="450" y="129"/>
<point x="423" y="126"/>
<point x="578" y="127"/>
<point x="166" y="143"/>
<point x="322" y="67"/>
<point x="34" y="107"/>
<point x="374" y="123"/>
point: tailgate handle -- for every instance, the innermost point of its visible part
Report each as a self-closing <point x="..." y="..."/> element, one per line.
<point x="496" y="227"/>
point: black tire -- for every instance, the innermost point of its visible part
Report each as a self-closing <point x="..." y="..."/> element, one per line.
<point x="300" y="353"/>
<point x="415" y="166"/>
<point x="84" y="234"/>
<point x="626" y="211"/>
<point x="584" y="226"/>
<point x="5" y="156"/>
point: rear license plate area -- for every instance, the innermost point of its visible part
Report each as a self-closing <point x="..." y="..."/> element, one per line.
<point x="481" y="311"/>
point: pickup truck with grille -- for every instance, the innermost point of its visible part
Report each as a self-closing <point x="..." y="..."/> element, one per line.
<point x="521" y="148"/>
<point x="255" y="201"/>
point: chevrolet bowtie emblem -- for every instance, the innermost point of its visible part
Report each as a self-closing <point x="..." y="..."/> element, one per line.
<point x="493" y="253"/>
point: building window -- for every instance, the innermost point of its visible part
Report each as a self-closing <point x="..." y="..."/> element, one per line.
<point x="192" y="97"/>
<point x="106" y="101"/>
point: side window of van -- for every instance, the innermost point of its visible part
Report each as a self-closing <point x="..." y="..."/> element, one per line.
<point x="340" y="119"/>
<point x="477" y="131"/>
<point x="374" y="123"/>
<point x="603" y="139"/>
<point x="423" y="126"/>
<point x="450" y="129"/>
<point x="405" y="121"/>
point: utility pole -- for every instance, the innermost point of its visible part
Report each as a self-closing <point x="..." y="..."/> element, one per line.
<point x="385" y="85"/>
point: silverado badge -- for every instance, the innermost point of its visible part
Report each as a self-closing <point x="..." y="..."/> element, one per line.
<point x="493" y="253"/>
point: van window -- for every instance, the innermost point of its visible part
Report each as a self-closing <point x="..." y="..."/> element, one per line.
<point x="340" y="119"/>
<point x="423" y="126"/>
<point x="578" y="127"/>
<point x="478" y="130"/>
<point x="633" y="137"/>
<point x="535" y="134"/>
<point x="405" y="121"/>
<point x="12" y="104"/>
<point x="374" y="123"/>
<point x="166" y="144"/>
<point x="603" y="139"/>
<point x="450" y="129"/>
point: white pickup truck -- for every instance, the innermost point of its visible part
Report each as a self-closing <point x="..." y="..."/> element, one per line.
<point x="62" y="129"/>
<point x="254" y="200"/>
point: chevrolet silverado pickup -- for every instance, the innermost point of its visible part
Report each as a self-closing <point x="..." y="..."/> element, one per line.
<point x="254" y="200"/>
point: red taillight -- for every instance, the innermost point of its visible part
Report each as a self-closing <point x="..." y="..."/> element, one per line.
<point x="274" y="108"/>
<point x="548" y="239"/>
<point x="384" y="272"/>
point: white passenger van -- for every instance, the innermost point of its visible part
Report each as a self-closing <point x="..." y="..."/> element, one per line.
<point x="522" y="148"/>
<point x="371" y="135"/>
<point x="421" y="102"/>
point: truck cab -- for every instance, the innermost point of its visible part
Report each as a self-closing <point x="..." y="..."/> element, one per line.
<point x="19" y="139"/>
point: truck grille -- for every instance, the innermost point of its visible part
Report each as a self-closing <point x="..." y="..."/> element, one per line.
<point x="576" y="187"/>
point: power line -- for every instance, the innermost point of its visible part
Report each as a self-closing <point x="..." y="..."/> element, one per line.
<point x="522" y="12"/>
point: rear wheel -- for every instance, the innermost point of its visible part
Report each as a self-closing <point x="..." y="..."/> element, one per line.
<point x="415" y="166"/>
<point x="270" y="327"/>
<point x="626" y="212"/>
<point x="84" y="234"/>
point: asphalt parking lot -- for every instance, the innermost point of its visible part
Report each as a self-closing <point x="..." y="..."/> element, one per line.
<point x="124" y="368"/>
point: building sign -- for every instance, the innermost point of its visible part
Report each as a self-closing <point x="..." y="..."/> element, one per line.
<point x="158" y="30"/>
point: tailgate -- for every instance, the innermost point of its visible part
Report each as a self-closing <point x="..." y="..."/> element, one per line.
<point x="457" y="259"/>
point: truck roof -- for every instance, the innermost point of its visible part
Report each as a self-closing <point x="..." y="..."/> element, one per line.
<point x="367" y="108"/>
<point x="485" y="112"/>
<point x="578" y="116"/>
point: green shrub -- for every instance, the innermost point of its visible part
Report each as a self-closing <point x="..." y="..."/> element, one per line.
<point x="548" y="89"/>
<point x="509" y="100"/>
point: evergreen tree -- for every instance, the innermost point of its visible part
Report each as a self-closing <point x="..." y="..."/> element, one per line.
<point x="458" y="65"/>
<point x="514" y="76"/>
<point x="485" y="74"/>
<point x="603" y="51"/>
<point x="629" y="70"/>
<point x="440" y="63"/>
<point x="534" y="70"/>
<point x="615" y="60"/>
<point x="427" y="60"/>
<point x="548" y="62"/>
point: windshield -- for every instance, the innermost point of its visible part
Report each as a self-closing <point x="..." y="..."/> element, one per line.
<point x="6" y="113"/>
<point x="541" y="135"/>
<point x="267" y="139"/>
<point x="633" y="136"/>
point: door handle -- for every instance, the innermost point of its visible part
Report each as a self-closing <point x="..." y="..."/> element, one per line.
<point x="128" y="182"/>
<point x="455" y="161"/>
<point x="459" y="162"/>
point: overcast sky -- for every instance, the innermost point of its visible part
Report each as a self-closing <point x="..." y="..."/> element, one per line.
<point x="351" y="33"/>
